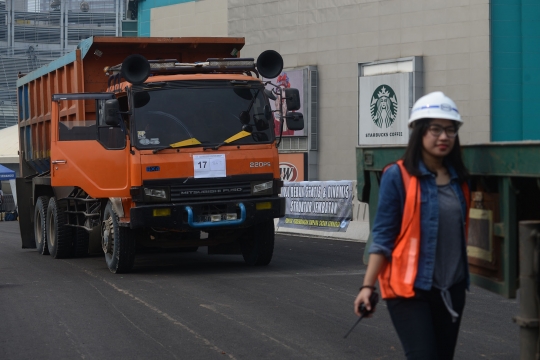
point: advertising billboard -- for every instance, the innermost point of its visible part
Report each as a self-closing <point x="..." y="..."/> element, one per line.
<point x="384" y="105"/>
<point x="295" y="78"/>
<point x="293" y="166"/>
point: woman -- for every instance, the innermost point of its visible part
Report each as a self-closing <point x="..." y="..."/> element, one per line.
<point x="419" y="246"/>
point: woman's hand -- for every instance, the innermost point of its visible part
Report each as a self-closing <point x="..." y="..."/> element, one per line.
<point x="363" y="298"/>
<point x="375" y="265"/>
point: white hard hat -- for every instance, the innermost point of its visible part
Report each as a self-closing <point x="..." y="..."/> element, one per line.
<point x="435" y="105"/>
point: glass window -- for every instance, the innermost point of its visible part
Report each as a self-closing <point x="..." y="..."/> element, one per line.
<point x="74" y="126"/>
<point x="111" y="137"/>
<point x="208" y="111"/>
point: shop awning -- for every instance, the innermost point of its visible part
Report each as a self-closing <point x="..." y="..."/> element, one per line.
<point x="6" y="174"/>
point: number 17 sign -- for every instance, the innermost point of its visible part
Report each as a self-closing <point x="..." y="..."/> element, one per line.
<point x="209" y="166"/>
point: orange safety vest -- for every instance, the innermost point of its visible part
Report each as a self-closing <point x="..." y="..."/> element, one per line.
<point x="398" y="275"/>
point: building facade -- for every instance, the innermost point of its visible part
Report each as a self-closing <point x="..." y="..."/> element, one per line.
<point x="451" y="38"/>
<point x="35" y="32"/>
<point x="182" y="18"/>
<point x="483" y="54"/>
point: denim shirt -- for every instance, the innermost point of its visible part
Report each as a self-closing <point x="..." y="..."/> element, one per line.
<point x="387" y="223"/>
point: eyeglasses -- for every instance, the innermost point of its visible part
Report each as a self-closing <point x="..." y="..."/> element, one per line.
<point x="437" y="130"/>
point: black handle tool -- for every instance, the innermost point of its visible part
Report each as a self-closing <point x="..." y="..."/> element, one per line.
<point x="373" y="300"/>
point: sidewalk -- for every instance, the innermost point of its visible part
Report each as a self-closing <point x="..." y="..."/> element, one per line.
<point x="356" y="232"/>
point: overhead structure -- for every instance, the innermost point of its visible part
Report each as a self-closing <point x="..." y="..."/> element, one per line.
<point x="37" y="32"/>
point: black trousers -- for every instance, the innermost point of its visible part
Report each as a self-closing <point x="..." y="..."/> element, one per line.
<point x="425" y="326"/>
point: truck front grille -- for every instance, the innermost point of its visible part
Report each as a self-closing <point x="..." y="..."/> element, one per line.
<point x="206" y="191"/>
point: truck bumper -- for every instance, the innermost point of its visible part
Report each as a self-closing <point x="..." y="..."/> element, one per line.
<point x="197" y="216"/>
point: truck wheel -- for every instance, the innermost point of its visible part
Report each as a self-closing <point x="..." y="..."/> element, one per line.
<point x="257" y="244"/>
<point x="59" y="236"/>
<point x="80" y="245"/>
<point x="118" y="242"/>
<point x="40" y="224"/>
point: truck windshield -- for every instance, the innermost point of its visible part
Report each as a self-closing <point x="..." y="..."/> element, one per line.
<point x="206" y="111"/>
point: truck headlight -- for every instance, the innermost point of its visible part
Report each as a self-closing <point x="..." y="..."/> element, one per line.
<point x="160" y="193"/>
<point x="156" y="194"/>
<point x="262" y="188"/>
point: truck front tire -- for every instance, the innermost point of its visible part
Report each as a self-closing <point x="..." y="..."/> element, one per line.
<point x="40" y="224"/>
<point x="118" y="242"/>
<point x="257" y="244"/>
<point x="59" y="236"/>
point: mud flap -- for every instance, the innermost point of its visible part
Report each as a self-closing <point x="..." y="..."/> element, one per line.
<point x="26" y="212"/>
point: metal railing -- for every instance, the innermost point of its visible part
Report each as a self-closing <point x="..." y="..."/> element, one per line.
<point x="33" y="33"/>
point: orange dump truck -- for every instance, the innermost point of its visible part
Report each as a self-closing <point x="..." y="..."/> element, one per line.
<point x="154" y="143"/>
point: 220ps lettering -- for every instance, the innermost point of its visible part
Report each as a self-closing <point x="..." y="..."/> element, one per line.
<point x="259" y="164"/>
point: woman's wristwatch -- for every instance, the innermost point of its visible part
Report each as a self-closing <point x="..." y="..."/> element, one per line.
<point x="373" y="288"/>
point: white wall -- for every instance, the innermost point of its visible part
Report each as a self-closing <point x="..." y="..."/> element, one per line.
<point x="194" y="18"/>
<point x="336" y="35"/>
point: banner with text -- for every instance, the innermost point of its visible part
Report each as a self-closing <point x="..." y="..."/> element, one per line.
<point x="317" y="205"/>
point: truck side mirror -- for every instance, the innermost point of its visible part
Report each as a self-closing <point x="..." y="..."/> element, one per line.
<point x="140" y="99"/>
<point x="269" y="94"/>
<point x="112" y="109"/>
<point x="244" y="117"/>
<point x="295" y="120"/>
<point x="268" y="113"/>
<point x="292" y="99"/>
<point x="261" y="125"/>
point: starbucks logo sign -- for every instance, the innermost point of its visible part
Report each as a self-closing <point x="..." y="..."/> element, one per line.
<point x="384" y="106"/>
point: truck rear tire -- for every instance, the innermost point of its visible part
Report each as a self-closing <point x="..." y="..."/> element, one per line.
<point x="59" y="236"/>
<point x="40" y="224"/>
<point x="257" y="244"/>
<point x="118" y="242"/>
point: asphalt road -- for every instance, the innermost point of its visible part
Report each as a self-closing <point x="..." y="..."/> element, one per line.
<point x="196" y="306"/>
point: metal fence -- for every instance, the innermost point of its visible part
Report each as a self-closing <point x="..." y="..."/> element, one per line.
<point x="35" y="32"/>
<point x="22" y="61"/>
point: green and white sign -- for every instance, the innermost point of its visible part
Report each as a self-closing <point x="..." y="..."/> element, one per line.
<point x="384" y="106"/>
<point x="383" y="109"/>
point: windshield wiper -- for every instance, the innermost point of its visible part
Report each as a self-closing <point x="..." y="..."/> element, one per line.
<point x="242" y="134"/>
<point x="184" y="143"/>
